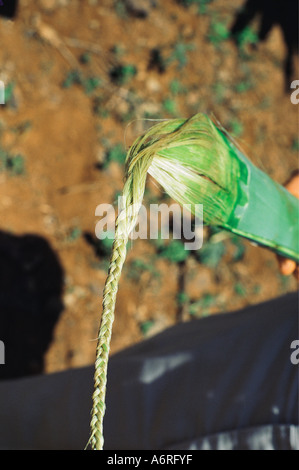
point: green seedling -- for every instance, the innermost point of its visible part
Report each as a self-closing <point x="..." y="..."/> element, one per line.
<point x="120" y="9"/>
<point x="211" y="254"/>
<point x="240" y="289"/>
<point x="182" y="298"/>
<point x="295" y="144"/>
<point x="13" y="164"/>
<point x="22" y="127"/>
<point x="218" y="32"/>
<point x="138" y="266"/>
<point x="121" y="74"/>
<point x="75" y="77"/>
<point x="179" y="54"/>
<point x="169" y="106"/>
<point x="98" y="107"/>
<point x="85" y="58"/>
<point x="115" y="154"/>
<point x="146" y="326"/>
<point x="201" y="4"/>
<point x="239" y="248"/>
<point x="9" y="98"/>
<point x="245" y="38"/>
<point x="235" y="127"/>
<point x="200" y="308"/>
<point x="91" y="84"/>
<point x="174" y="251"/>
<point x="176" y="87"/>
<point x="74" y="234"/>
<point x="219" y="90"/>
<point x="243" y="86"/>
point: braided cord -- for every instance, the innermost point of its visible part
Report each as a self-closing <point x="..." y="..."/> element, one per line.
<point x="133" y="192"/>
<point x="103" y="346"/>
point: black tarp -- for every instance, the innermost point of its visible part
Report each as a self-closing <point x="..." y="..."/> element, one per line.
<point x="223" y="382"/>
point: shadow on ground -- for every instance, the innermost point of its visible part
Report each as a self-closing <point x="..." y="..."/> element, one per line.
<point x="31" y="283"/>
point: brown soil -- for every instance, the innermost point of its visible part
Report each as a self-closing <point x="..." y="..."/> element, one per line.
<point x="63" y="142"/>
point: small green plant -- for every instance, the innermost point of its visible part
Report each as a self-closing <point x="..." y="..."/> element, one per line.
<point x="174" y="251"/>
<point x="218" y="32"/>
<point x="120" y="9"/>
<point x="13" y="164"/>
<point x="211" y="254"/>
<point x="245" y="38"/>
<point x="22" y="127"/>
<point x="182" y="298"/>
<point x="115" y="154"/>
<point x="240" y="289"/>
<point x="9" y="98"/>
<point x="99" y="108"/>
<point x="265" y="103"/>
<point x="146" y="326"/>
<point x="235" y="127"/>
<point x="179" y="54"/>
<point x="85" y="58"/>
<point x="257" y="288"/>
<point x="138" y="266"/>
<point x="120" y="74"/>
<point x="201" y="307"/>
<point x="176" y="87"/>
<point x="118" y="50"/>
<point x="91" y="84"/>
<point x="244" y="86"/>
<point x="295" y="144"/>
<point x="73" y="234"/>
<point x="202" y="4"/>
<point x="239" y="248"/>
<point x="75" y="77"/>
<point x="169" y="106"/>
<point x="219" y="90"/>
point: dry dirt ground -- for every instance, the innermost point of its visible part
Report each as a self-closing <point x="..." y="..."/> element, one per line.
<point x="80" y="78"/>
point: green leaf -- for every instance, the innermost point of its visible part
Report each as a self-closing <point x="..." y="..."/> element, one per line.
<point x="9" y="92"/>
<point x="210" y="254"/>
<point x="13" y="164"/>
<point x="218" y="32"/>
<point x="200" y="307"/>
<point x="246" y="36"/>
<point x="121" y="74"/>
<point x="91" y="83"/>
<point x="239" y="248"/>
<point x="240" y="289"/>
<point x="146" y="326"/>
<point x="182" y="298"/>
<point x="169" y="106"/>
<point x="116" y="154"/>
<point x="73" y="78"/>
<point x="175" y="251"/>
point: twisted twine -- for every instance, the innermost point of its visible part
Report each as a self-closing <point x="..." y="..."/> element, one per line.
<point x="131" y="201"/>
<point x="103" y="346"/>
